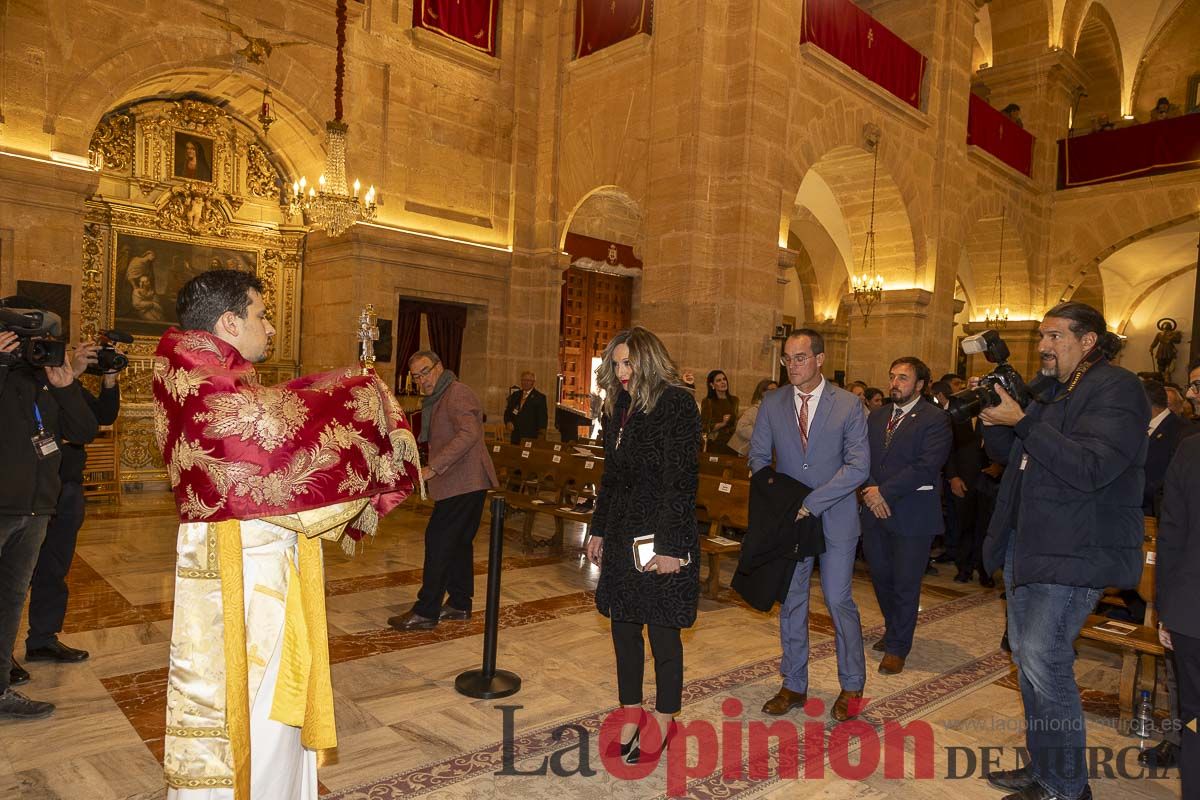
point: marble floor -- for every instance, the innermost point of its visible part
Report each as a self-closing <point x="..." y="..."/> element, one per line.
<point x="403" y="730"/>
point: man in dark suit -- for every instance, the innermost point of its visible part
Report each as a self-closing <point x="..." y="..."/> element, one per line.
<point x="902" y="512"/>
<point x="1178" y="572"/>
<point x="525" y="413"/>
<point x="1166" y="431"/>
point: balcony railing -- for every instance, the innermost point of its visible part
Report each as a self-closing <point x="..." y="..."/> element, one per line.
<point x="990" y="130"/>
<point x="859" y="41"/>
<point x="1152" y="148"/>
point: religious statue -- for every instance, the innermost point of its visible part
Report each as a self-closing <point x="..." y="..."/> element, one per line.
<point x="1163" y="347"/>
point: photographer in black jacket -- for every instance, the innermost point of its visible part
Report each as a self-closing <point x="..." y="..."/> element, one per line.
<point x="1068" y="522"/>
<point x="40" y="407"/>
<point x="48" y="589"/>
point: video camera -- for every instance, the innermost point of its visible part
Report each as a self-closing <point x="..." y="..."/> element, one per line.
<point x="37" y="334"/>
<point x="110" y="360"/>
<point x="967" y="404"/>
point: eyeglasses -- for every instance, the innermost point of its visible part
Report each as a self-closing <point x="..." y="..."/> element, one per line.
<point x="799" y="360"/>
<point x="1194" y="386"/>
<point x="423" y="373"/>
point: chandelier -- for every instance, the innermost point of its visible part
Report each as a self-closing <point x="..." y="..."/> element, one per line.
<point x="331" y="205"/>
<point x="998" y="317"/>
<point x="868" y="287"/>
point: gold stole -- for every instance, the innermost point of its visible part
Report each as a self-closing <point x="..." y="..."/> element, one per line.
<point x="208" y="746"/>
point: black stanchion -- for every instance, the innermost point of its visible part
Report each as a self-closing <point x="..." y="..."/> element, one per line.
<point x="490" y="683"/>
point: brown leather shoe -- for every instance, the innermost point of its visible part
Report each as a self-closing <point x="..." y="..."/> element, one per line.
<point x="841" y="706"/>
<point x="891" y="664"/>
<point x="412" y="621"/>
<point x="878" y="646"/>
<point x="783" y="702"/>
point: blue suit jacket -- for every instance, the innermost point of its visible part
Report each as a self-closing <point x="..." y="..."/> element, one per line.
<point x="908" y="472"/>
<point x="836" y="461"/>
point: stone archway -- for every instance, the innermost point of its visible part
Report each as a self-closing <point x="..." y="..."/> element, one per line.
<point x="139" y="66"/>
<point x="1098" y="52"/>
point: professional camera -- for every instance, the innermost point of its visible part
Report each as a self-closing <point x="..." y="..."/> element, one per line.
<point x="967" y="404"/>
<point x="37" y="333"/>
<point x="110" y="360"/>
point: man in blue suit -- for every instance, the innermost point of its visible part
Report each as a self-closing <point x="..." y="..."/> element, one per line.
<point x="817" y="434"/>
<point x="902" y="507"/>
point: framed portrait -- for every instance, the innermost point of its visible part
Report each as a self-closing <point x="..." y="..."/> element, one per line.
<point x="149" y="271"/>
<point x="193" y="157"/>
<point x="1193" y="95"/>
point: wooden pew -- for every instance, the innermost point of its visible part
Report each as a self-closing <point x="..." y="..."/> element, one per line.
<point x="1138" y="644"/>
<point x="721" y="501"/>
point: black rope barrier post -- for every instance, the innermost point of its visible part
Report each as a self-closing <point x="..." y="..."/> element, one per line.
<point x="490" y="683"/>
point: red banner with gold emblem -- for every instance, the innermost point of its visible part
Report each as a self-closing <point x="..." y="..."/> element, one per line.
<point x="990" y="130"/>
<point x="472" y="22"/>
<point x="859" y="41"/>
<point x="600" y="23"/>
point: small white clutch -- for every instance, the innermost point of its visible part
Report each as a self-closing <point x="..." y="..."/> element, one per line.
<point x="643" y="551"/>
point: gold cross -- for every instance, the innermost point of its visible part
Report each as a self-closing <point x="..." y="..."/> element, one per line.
<point x="870" y="37"/>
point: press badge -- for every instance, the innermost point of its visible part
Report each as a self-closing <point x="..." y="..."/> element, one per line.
<point x="44" y="444"/>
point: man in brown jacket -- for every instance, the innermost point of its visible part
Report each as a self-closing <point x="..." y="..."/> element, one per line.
<point x="458" y="475"/>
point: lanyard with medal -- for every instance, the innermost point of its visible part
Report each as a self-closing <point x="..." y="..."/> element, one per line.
<point x="43" y="442"/>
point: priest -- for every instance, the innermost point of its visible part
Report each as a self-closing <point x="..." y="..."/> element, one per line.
<point x="260" y="474"/>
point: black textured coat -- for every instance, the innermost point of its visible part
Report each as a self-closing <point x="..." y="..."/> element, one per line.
<point x="649" y="486"/>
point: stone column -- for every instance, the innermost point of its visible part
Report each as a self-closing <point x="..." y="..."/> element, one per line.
<point x="1022" y="340"/>
<point x="898" y="325"/>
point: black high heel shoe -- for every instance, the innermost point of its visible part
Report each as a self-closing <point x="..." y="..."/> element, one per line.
<point x="648" y="757"/>
<point x="631" y="751"/>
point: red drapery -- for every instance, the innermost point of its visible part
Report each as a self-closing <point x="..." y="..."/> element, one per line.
<point x="600" y="23"/>
<point x="446" y="326"/>
<point x="407" y="337"/>
<point x="990" y="130"/>
<point x="859" y="41"/>
<point x="1152" y="148"/>
<point x="472" y="22"/>
<point x="613" y="253"/>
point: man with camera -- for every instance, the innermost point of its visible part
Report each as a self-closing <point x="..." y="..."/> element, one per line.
<point x="41" y="404"/>
<point x="48" y="589"/>
<point x="1068" y="522"/>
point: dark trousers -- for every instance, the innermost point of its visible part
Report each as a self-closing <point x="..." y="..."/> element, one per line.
<point x="968" y="552"/>
<point x="48" y="589"/>
<point x="667" y="648"/>
<point x="897" y="567"/>
<point x="449" y="557"/>
<point x="1187" y="672"/>
<point x="20" y="540"/>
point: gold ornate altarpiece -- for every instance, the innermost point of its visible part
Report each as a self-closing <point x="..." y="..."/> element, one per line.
<point x="142" y="197"/>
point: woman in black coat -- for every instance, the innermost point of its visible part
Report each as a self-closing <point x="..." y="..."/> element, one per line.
<point x="651" y="450"/>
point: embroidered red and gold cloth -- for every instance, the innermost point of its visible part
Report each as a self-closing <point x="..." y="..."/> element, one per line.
<point x="859" y="41"/>
<point x="236" y="449"/>
<point x="472" y="22"/>
<point x="601" y="23"/>
<point x="990" y="130"/>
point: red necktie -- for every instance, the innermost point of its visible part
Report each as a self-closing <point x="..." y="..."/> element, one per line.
<point x="802" y="418"/>
<point x="891" y="427"/>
